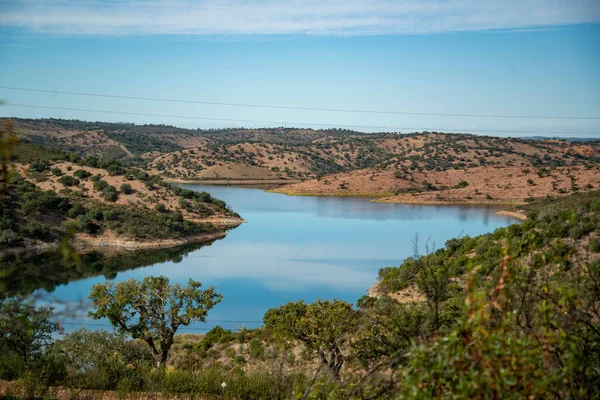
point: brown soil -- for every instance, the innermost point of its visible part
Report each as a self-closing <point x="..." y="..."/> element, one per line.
<point x="484" y="184"/>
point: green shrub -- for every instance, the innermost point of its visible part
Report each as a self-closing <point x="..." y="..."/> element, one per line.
<point x="126" y="188"/>
<point x="67" y="180"/>
<point x="82" y="174"/>
<point x="256" y="349"/>
<point x="100" y="185"/>
<point x="76" y="210"/>
<point x="85" y="223"/>
<point x="595" y="245"/>
<point x="109" y="193"/>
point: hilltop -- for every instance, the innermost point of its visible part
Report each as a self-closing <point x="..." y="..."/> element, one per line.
<point x="417" y="167"/>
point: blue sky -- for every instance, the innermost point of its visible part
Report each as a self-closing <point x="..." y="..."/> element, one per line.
<point x="508" y="57"/>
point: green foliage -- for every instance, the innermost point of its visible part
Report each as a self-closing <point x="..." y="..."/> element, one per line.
<point x="25" y="331"/>
<point x="76" y="210"/>
<point x="100" y="185"/>
<point x="152" y="310"/>
<point x="257" y="350"/>
<point x="81" y="174"/>
<point x="126" y="188"/>
<point x="85" y="223"/>
<point x="595" y="245"/>
<point x="500" y="352"/>
<point x="433" y="283"/>
<point x="109" y="193"/>
<point x="322" y="327"/>
<point x="68" y="181"/>
<point x="214" y="336"/>
<point x="100" y="359"/>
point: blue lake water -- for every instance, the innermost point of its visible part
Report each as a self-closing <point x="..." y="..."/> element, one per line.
<point x="294" y="248"/>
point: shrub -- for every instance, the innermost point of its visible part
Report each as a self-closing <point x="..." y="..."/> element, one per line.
<point x="76" y="210"/>
<point x="39" y="166"/>
<point x="85" y="223"/>
<point x="161" y="208"/>
<point x="256" y="349"/>
<point x="109" y="193"/>
<point x="36" y="229"/>
<point x="115" y="170"/>
<point x="100" y="185"/>
<point x="461" y="184"/>
<point x="126" y="188"/>
<point x="595" y="245"/>
<point x="67" y="180"/>
<point x="82" y="174"/>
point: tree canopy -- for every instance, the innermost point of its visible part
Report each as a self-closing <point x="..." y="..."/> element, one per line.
<point x="322" y="327"/>
<point x="152" y="310"/>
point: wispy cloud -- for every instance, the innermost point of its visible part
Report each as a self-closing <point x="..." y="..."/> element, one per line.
<point x="317" y="17"/>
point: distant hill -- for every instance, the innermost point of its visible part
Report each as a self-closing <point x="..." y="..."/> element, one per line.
<point x="567" y="139"/>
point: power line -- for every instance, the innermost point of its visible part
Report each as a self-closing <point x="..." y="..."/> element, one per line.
<point x="208" y="320"/>
<point x="110" y="326"/>
<point x="298" y="108"/>
<point x="281" y="123"/>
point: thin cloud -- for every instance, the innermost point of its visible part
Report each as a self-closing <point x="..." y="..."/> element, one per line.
<point x="311" y="17"/>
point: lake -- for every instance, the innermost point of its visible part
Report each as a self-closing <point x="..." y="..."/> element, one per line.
<point x="290" y="248"/>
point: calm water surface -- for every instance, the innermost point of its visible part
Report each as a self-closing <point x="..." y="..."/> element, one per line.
<point x="303" y="248"/>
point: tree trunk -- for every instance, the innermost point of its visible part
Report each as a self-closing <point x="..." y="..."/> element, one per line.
<point x="335" y="362"/>
<point x="163" y="358"/>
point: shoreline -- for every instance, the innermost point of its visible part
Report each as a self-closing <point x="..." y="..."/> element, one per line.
<point x="387" y="198"/>
<point x="513" y="214"/>
<point x="134" y="244"/>
<point x="87" y="243"/>
<point x="233" y="182"/>
<point x="335" y="194"/>
<point x="453" y="202"/>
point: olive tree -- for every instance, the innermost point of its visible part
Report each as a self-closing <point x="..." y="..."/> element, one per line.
<point x="152" y="310"/>
<point x="322" y="327"/>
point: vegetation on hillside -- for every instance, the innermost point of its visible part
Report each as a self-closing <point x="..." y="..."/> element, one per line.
<point x="53" y="194"/>
<point x="290" y="153"/>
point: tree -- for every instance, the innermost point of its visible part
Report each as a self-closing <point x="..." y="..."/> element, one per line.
<point x="433" y="283"/>
<point x="322" y="326"/>
<point x="152" y="310"/>
<point x="25" y="330"/>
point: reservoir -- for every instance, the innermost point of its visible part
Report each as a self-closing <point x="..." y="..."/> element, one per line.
<point x="290" y="248"/>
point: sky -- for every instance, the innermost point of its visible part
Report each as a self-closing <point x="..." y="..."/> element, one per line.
<point x="509" y="58"/>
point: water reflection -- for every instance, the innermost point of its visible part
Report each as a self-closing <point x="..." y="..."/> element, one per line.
<point x="27" y="272"/>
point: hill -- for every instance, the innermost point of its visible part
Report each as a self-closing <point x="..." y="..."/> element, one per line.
<point x="416" y="167"/>
<point x="53" y="194"/>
